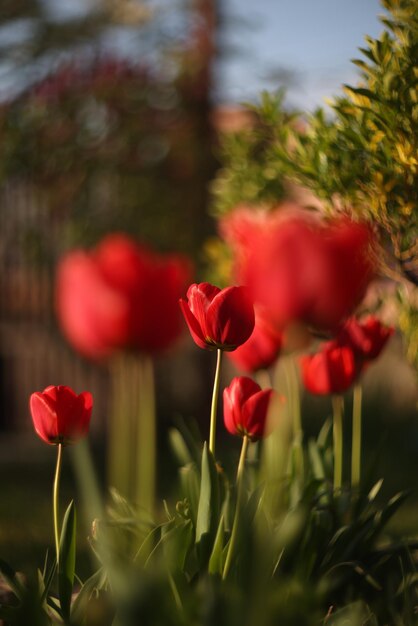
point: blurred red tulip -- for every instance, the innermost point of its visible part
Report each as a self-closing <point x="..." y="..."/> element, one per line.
<point x="278" y="257"/>
<point x="218" y="318"/>
<point x="332" y="370"/>
<point x="299" y="266"/>
<point x="262" y="349"/>
<point x="60" y="415"/>
<point x="120" y="295"/>
<point x="350" y="249"/>
<point x="246" y="407"/>
<point x="367" y="339"/>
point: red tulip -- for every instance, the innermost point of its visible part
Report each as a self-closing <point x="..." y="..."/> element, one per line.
<point x="350" y="252"/>
<point x="367" y="339"/>
<point x="218" y="318"/>
<point x="120" y="296"/>
<point x="261" y="350"/>
<point x="332" y="370"/>
<point x="246" y="407"/>
<point x="60" y="415"/>
<point x="279" y="259"/>
<point x="299" y="266"/>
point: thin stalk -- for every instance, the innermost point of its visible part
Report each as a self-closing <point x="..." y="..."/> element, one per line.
<point x="214" y="407"/>
<point x="356" y="437"/>
<point x="338" y="407"/>
<point x="146" y="437"/>
<point x="294" y="401"/>
<point x="120" y="427"/>
<point x="55" y="499"/>
<point x="234" y="533"/>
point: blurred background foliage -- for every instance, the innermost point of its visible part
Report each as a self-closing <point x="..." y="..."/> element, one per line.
<point x="361" y="158"/>
<point x="109" y="139"/>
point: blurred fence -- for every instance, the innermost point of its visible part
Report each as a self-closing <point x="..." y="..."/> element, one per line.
<point x="32" y="351"/>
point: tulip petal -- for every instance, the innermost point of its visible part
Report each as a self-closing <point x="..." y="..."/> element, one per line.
<point x="44" y="417"/>
<point x="332" y="370"/>
<point x="193" y="325"/>
<point x="235" y="396"/>
<point x="230" y="318"/>
<point x="255" y="411"/>
<point x="199" y="297"/>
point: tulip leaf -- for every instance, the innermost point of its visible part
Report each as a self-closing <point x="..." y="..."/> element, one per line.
<point x="92" y="584"/>
<point x="66" y="564"/>
<point x="216" y="558"/>
<point x="208" y="509"/>
<point x="190" y="479"/>
<point x="316" y="461"/>
<point x="375" y="490"/>
<point x="179" y="447"/>
<point x="177" y="542"/>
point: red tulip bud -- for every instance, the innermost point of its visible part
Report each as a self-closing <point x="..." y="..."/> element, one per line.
<point x="367" y="339"/>
<point x="246" y="407"/>
<point x="60" y="415"/>
<point x="332" y="370"/>
<point x="218" y="318"/>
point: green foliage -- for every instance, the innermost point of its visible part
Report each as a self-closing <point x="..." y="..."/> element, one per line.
<point x="252" y="174"/>
<point x="295" y="560"/>
<point x="362" y="158"/>
<point x="365" y="156"/>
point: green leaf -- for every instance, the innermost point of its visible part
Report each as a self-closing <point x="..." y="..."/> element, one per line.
<point x="93" y="583"/>
<point x="375" y="490"/>
<point x="66" y="565"/>
<point x="177" y="542"/>
<point x="190" y="479"/>
<point x="361" y="91"/>
<point x="216" y="560"/>
<point x="179" y="447"/>
<point x="208" y="510"/>
<point x="316" y="461"/>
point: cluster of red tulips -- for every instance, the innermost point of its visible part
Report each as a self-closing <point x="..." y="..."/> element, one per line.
<point x="297" y="268"/>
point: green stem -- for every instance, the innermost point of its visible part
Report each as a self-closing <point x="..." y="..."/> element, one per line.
<point x="234" y="533"/>
<point x="338" y="406"/>
<point x="119" y="436"/>
<point x="356" y="440"/>
<point x="55" y="498"/>
<point x="294" y="402"/>
<point x="214" y="407"/>
<point x="146" y="437"/>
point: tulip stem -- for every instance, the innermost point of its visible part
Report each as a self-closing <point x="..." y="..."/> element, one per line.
<point x="120" y="430"/>
<point x="294" y="398"/>
<point x="214" y="407"/>
<point x="146" y="437"/>
<point x="234" y="533"/>
<point x="338" y="408"/>
<point x="55" y="498"/>
<point x="243" y="456"/>
<point x="356" y="437"/>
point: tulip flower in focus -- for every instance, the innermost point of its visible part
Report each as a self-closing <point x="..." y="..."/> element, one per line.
<point x="246" y="407"/>
<point x="120" y="296"/>
<point x="59" y="415"/>
<point x="218" y="318"/>
<point x="261" y="350"/>
<point x="331" y="371"/>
